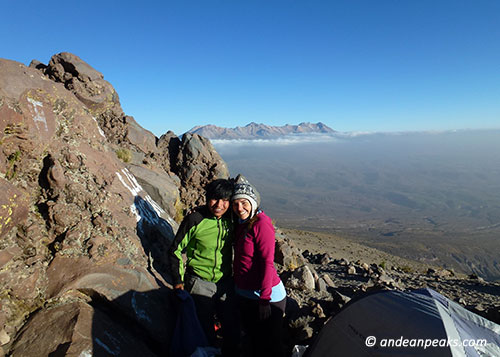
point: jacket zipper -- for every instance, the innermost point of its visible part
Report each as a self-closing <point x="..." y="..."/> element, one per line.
<point x="216" y="249"/>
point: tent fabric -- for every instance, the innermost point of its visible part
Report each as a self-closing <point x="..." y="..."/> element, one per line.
<point x="468" y="326"/>
<point x="405" y="324"/>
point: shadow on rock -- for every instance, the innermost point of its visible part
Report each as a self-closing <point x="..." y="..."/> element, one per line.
<point x="156" y="236"/>
<point x="483" y="288"/>
<point x="135" y="324"/>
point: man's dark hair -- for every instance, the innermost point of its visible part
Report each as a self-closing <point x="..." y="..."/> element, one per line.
<point x="219" y="189"/>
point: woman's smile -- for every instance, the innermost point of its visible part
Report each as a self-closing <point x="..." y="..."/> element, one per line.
<point x="242" y="207"/>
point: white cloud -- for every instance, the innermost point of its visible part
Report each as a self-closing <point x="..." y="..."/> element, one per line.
<point x="278" y="141"/>
<point x="336" y="137"/>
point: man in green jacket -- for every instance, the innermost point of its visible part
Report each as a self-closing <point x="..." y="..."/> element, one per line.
<point x="206" y="238"/>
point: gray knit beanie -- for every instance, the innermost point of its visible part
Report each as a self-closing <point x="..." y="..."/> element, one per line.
<point x="243" y="189"/>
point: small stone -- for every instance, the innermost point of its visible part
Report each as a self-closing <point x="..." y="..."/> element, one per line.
<point x="351" y="270"/>
<point x="315" y="275"/>
<point x="343" y="262"/>
<point x="340" y="298"/>
<point x="446" y="273"/>
<point x="385" y="279"/>
<point x="56" y="176"/>
<point x="325" y="259"/>
<point x="479" y="307"/>
<point x="4" y="337"/>
<point x="321" y="285"/>
<point x="306" y="278"/>
<point x="328" y="280"/>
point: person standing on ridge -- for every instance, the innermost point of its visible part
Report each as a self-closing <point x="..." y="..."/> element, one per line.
<point x="206" y="237"/>
<point x="262" y="296"/>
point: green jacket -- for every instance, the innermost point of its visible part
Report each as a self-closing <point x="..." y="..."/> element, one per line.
<point x="207" y="242"/>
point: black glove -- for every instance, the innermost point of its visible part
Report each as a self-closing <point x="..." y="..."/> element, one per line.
<point x="264" y="310"/>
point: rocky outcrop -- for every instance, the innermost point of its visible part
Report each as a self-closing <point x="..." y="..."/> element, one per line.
<point x="87" y="214"/>
<point x="86" y="83"/>
<point x="197" y="164"/>
<point x="190" y="162"/>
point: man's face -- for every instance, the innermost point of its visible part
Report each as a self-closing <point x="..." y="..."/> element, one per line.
<point x="218" y="207"/>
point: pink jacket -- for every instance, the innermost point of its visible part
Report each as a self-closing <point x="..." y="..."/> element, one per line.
<point x="253" y="264"/>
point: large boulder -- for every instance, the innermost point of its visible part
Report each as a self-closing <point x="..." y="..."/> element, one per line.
<point x="286" y="254"/>
<point x="198" y="163"/>
<point x="85" y="82"/>
<point x="80" y="329"/>
<point x="141" y="139"/>
<point x="102" y="102"/>
<point x="79" y="235"/>
<point x="168" y="147"/>
<point x="193" y="159"/>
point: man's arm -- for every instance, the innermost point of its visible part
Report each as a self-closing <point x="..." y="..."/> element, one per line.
<point x="179" y="244"/>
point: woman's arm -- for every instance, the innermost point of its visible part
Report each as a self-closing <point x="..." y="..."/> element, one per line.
<point x="264" y="252"/>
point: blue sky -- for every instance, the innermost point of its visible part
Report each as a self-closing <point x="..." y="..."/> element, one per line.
<point x="374" y="65"/>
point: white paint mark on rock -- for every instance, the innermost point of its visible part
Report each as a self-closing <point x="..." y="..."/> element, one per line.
<point x="39" y="115"/>
<point x="155" y="205"/>
<point x="135" y="212"/>
<point x="130" y="182"/>
<point x="99" y="128"/>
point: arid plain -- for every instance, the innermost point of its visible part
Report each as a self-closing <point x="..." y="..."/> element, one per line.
<point x="429" y="197"/>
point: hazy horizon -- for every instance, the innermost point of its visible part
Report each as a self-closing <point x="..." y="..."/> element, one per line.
<point x="399" y="192"/>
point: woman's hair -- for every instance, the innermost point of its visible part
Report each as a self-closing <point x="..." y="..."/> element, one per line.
<point x="220" y="189"/>
<point x="252" y="220"/>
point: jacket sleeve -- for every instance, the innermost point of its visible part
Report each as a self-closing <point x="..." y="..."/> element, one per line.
<point x="179" y="244"/>
<point x="264" y="246"/>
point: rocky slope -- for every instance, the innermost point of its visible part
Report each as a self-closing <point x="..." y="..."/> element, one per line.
<point x="323" y="272"/>
<point x="87" y="213"/>
<point x="254" y="131"/>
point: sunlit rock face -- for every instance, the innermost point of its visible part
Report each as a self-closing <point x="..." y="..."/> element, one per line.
<point x="87" y="214"/>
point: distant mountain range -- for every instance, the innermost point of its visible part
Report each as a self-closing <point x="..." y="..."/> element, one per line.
<point x="259" y="131"/>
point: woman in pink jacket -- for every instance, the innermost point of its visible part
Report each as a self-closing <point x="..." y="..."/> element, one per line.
<point x="262" y="294"/>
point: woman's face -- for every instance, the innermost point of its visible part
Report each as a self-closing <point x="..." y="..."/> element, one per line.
<point x="242" y="207"/>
